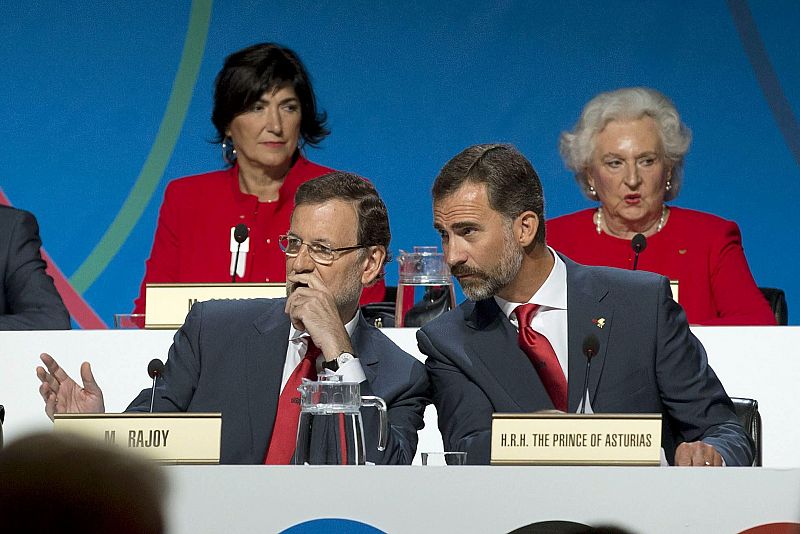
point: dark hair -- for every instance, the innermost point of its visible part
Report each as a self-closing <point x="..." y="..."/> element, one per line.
<point x="251" y="72"/>
<point x="512" y="184"/>
<point x="87" y="487"/>
<point x="373" y="218"/>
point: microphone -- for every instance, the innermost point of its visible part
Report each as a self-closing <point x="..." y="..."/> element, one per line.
<point x="591" y="346"/>
<point x="638" y="243"/>
<point x="240" y="233"/>
<point x="155" y="369"/>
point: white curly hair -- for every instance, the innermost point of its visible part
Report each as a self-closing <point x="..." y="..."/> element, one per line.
<point x="631" y="103"/>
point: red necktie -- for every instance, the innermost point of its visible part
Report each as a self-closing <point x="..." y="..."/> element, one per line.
<point x="284" y="432"/>
<point x="542" y="356"/>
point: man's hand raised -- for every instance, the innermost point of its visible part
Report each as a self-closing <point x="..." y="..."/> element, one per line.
<point x="312" y="308"/>
<point x="62" y="394"/>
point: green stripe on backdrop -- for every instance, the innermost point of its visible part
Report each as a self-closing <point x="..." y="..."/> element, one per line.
<point x="160" y="153"/>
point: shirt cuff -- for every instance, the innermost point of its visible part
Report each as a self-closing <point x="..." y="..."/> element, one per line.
<point x="350" y="372"/>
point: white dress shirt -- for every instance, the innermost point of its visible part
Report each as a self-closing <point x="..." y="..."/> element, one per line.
<point x="296" y="351"/>
<point x="551" y="318"/>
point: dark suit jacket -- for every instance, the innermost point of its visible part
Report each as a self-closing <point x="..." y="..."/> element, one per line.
<point x="28" y="300"/>
<point x="229" y="355"/>
<point x="649" y="362"/>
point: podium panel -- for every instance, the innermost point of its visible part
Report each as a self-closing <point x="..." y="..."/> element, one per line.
<point x="472" y="499"/>
<point x="757" y="362"/>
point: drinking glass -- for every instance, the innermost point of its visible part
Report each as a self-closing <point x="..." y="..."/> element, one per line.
<point x="444" y="458"/>
<point x="128" y="320"/>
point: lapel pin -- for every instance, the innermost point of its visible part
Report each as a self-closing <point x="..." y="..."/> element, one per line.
<point x="600" y="322"/>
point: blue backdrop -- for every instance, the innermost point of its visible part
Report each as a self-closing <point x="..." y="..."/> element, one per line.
<point x="104" y="102"/>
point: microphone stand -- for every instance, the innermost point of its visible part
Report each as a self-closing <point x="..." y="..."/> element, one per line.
<point x="585" y="392"/>
<point x="638" y="243"/>
<point x="591" y="346"/>
<point x="240" y="235"/>
<point x="236" y="263"/>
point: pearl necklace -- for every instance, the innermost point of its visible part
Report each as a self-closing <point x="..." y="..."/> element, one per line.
<point x="599" y="220"/>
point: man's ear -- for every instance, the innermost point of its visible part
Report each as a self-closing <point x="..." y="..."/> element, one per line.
<point x="525" y="227"/>
<point x="372" y="264"/>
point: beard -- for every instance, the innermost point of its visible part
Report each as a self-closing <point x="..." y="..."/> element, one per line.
<point x="488" y="283"/>
<point x="349" y="293"/>
<point x="345" y="296"/>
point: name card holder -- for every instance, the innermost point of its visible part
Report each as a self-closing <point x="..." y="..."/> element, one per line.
<point x="168" y="304"/>
<point x="170" y="438"/>
<point x="576" y="439"/>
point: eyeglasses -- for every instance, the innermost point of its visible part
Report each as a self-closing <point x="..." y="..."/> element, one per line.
<point x="322" y="254"/>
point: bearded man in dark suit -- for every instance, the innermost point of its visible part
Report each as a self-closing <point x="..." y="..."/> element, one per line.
<point x="488" y="207"/>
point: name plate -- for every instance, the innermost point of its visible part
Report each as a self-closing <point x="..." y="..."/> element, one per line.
<point x="174" y="438"/>
<point x="168" y="304"/>
<point x="576" y="439"/>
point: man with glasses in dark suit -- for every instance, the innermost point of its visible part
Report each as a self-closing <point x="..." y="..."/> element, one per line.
<point x="244" y="358"/>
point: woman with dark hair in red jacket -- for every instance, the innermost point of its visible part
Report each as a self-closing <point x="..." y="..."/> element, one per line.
<point x="265" y="112"/>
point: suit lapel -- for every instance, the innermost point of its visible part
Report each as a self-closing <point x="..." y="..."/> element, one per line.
<point x="588" y="312"/>
<point x="367" y="356"/>
<point x="495" y="345"/>
<point x="362" y="342"/>
<point x="266" y="348"/>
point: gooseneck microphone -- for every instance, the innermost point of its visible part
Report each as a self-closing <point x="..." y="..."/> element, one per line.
<point x="638" y="243"/>
<point x="240" y="233"/>
<point x="155" y="369"/>
<point x="591" y="346"/>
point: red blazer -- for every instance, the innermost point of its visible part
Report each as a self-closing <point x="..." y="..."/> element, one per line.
<point x="192" y="240"/>
<point x="702" y="251"/>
